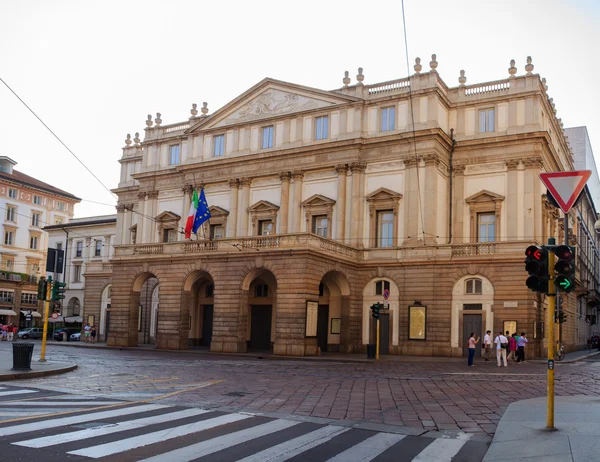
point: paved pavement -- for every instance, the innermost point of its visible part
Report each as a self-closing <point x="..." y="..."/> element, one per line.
<point x="38" y="369"/>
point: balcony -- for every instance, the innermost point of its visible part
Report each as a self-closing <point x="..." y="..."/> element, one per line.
<point x="18" y="277"/>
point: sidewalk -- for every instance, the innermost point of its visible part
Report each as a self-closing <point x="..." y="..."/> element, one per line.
<point x="38" y="369"/>
<point x="522" y="435"/>
<point x="571" y="357"/>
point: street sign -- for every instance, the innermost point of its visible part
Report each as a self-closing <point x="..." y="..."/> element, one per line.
<point x="386" y="305"/>
<point x="386" y="294"/>
<point x="54" y="315"/>
<point x="565" y="187"/>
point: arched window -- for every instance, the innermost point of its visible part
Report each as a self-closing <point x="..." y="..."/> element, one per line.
<point x="473" y="286"/>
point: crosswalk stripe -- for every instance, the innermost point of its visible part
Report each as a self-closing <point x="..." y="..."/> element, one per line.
<point x="219" y="443"/>
<point x="16" y="392"/>
<point x="441" y="450"/>
<point x="127" y="444"/>
<point x="69" y="437"/>
<point x="58" y="403"/>
<point x="298" y="445"/>
<point x="368" y="449"/>
<point x="63" y="421"/>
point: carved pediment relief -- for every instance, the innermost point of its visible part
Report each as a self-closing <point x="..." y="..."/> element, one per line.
<point x="484" y="196"/>
<point x="317" y="200"/>
<point x="263" y="206"/>
<point x="383" y="194"/>
<point x="218" y="211"/>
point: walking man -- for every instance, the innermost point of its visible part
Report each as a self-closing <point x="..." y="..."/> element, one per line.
<point x="487" y="345"/>
<point x="501" y="346"/>
<point x="521" y="347"/>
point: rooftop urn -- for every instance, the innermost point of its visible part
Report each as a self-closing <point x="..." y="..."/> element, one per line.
<point x="128" y="139"/>
<point x="158" y="120"/>
<point x="512" y="70"/>
<point x="346" y="79"/>
<point x="529" y="66"/>
<point x="417" y="65"/>
<point x="360" y="76"/>
<point x="137" y="140"/>
<point x="194" y="110"/>
<point x="204" y="109"/>
<point x="462" y="79"/>
<point x="433" y="64"/>
<point x="149" y="120"/>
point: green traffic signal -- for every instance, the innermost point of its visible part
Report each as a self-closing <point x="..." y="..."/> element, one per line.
<point x="375" y="310"/>
<point x="58" y="290"/>
<point x="42" y="288"/>
<point x="563" y="283"/>
<point x="565" y="268"/>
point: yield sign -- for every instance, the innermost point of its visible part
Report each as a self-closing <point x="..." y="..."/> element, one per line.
<point x="565" y="187"/>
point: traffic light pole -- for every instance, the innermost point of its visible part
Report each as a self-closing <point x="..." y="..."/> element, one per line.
<point x="551" y="309"/>
<point x="46" y="312"/>
<point x="377" y="341"/>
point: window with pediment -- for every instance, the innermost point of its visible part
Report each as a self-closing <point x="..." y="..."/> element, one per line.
<point x="485" y="210"/>
<point x="216" y="226"/>
<point x="263" y="215"/>
<point x="319" y="213"/>
<point x="167" y="225"/>
<point x="383" y="217"/>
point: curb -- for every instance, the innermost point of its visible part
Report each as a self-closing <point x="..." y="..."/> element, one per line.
<point x="36" y="374"/>
<point x="580" y="358"/>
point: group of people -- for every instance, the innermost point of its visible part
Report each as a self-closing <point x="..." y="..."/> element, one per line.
<point x="89" y="333"/>
<point x="9" y="332"/>
<point x="507" y="347"/>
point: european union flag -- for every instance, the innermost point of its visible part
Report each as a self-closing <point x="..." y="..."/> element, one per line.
<point x="202" y="212"/>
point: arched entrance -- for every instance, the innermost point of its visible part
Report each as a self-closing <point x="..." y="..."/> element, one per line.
<point x="333" y="317"/>
<point x="105" y="313"/>
<point x="262" y="295"/>
<point x="472" y="302"/>
<point x="146" y="287"/>
<point x="198" y="296"/>
<point x="389" y="328"/>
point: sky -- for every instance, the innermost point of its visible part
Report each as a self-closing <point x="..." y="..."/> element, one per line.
<point x="93" y="70"/>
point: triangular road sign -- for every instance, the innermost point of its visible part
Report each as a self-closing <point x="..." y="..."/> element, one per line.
<point x="565" y="187"/>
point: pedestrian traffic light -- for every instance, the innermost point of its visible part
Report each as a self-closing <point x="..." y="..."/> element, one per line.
<point x="564" y="268"/>
<point x="536" y="265"/>
<point x="375" y="310"/>
<point x="42" y="288"/>
<point x="58" y="290"/>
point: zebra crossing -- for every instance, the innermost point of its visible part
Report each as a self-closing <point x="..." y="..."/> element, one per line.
<point x="152" y="432"/>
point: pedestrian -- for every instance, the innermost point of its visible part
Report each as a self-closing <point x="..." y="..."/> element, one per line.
<point x="4" y="332"/>
<point x="501" y="346"/>
<point x="15" y="332"/>
<point x="521" y="347"/>
<point x="512" y="347"/>
<point x="472" y="344"/>
<point x="87" y="330"/>
<point x="487" y="345"/>
<point x="9" y="330"/>
<point x="93" y="334"/>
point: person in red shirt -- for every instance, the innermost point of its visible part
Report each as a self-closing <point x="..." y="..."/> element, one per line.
<point x="15" y="330"/>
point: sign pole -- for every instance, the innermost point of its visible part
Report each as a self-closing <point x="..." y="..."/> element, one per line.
<point x="46" y="311"/>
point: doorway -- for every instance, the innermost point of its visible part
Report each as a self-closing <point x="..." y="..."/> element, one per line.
<point x="323" y="327"/>
<point x="207" y="324"/>
<point x="260" y="327"/>
<point x="471" y="323"/>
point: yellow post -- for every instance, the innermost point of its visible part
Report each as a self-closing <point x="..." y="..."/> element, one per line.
<point x="46" y="312"/>
<point x="377" y="341"/>
<point x="551" y="311"/>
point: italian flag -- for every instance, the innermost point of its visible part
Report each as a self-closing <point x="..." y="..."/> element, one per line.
<point x="190" y="219"/>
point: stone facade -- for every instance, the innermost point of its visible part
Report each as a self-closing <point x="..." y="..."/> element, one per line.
<point x="323" y="201"/>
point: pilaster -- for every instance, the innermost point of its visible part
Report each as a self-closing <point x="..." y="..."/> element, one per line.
<point x="232" y="222"/>
<point x="341" y="202"/>
<point x="285" y="198"/>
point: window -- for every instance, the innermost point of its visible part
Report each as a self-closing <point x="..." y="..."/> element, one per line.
<point x="486" y="120"/>
<point x="320" y="224"/>
<point x="29" y="299"/>
<point x="79" y="249"/>
<point x="59" y="246"/>
<point x="6" y="296"/>
<point x="33" y="268"/>
<point x="98" y="248"/>
<point x="12" y="193"/>
<point x="8" y="264"/>
<point x="174" y="159"/>
<point x="33" y="242"/>
<point x="322" y="128"/>
<point x="218" y="145"/>
<point x="261" y="290"/>
<point x="77" y="273"/>
<point x="209" y="291"/>
<point x="217" y="232"/>
<point x="473" y="286"/>
<point x="169" y="235"/>
<point x="61" y="206"/>
<point x="8" y="238"/>
<point x="486" y="227"/>
<point x="388" y="119"/>
<point x="385" y="228"/>
<point x="58" y="221"/>
<point x="11" y="213"/>
<point x="37" y="200"/>
<point x="36" y="219"/>
<point x="267" y="137"/>
<point x="265" y="227"/>
<point x="380" y="286"/>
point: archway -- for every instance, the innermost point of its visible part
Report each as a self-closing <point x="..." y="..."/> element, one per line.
<point x="472" y="302"/>
<point x="333" y="316"/>
<point x="145" y="298"/>
<point x="105" y="302"/>
<point x="198" y="301"/>
<point x="260" y="286"/>
<point x="73" y="308"/>
<point x="374" y="292"/>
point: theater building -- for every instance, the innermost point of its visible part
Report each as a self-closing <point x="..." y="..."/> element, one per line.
<point x="325" y="201"/>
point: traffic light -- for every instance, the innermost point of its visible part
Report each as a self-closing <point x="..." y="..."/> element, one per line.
<point x="536" y="265"/>
<point x="42" y="288"/>
<point x="375" y="310"/>
<point x="58" y="290"/>
<point x="560" y="317"/>
<point x="565" y="268"/>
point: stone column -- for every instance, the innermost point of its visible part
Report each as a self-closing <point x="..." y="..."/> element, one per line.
<point x="232" y="220"/>
<point x="430" y="200"/>
<point x="285" y="199"/>
<point x="341" y="202"/>
<point x="458" y="200"/>
<point x="151" y="205"/>
<point x="69" y="258"/>
<point x="358" y="169"/>
<point x="243" y="212"/>
<point x="512" y="201"/>
<point x="298" y="177"/>
<point x="107" y="247"/>
<point x="120" y="234"/>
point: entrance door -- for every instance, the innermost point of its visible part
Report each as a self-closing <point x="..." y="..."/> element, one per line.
<point x="207" y="324"/>
<point x="322" y="327"/>
<point x="471" y="323"/>
<point x="260" y="327"/>
<point x="107" y="327"/>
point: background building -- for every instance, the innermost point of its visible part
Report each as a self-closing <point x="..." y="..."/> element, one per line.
<point x="27" y="205"/>
<point x="323" y="202"/>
